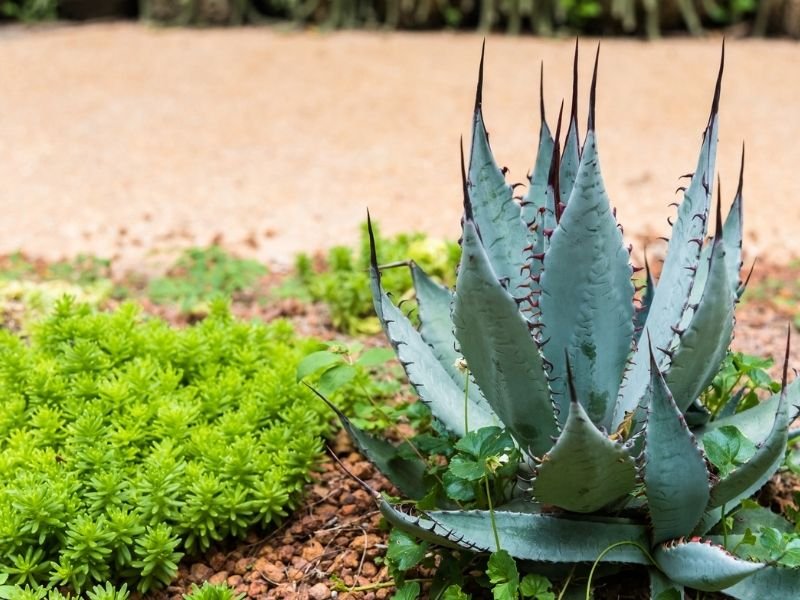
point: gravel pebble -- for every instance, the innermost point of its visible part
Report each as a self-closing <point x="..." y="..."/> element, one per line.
<point x="319" y="591"/>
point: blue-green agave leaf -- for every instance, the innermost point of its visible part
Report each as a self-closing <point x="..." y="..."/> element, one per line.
<point x="570" y="163"/>
<point x="703" y="565"/>
<point x="584" y="471"/>
<point x="497" y="215"/>
<point x="571" y="158"/>
<point x="749" y="477"/>
<point x="537" y="202"/>
<point x="548" y="538"/>
<point x="587" y="294"/>
<point x="549" y="218"/>
<point x="704" y="343"/>
<point x="434" y="303"/>
<point x="424" y="529"/>
<point x="500" y="352"/>
<point x="430" y="380"/>
<point x="534" y="200"/>
<point x="756" y="517"/>
<point x="769" y="583"/>
<point x="406" y="474"/>
<point x="683" y="257"/>
<point x="732" y="233"/>
<point x="700" y="280"/>
<point x="675" y="474"/>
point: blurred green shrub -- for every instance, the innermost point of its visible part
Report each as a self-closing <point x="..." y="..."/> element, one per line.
<point x="203" y="274"/>
<point x="342" y="281"/>
<point x="544" y="17"/>
<point x="30" y="11"/>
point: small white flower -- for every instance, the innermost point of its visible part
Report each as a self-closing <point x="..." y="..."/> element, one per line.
<point x="461" y="364"/>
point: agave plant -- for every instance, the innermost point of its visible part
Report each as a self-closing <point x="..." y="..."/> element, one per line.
<point x="597" y="383"/>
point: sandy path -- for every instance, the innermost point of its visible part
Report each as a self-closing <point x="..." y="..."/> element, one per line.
<point x="118" y="138"/>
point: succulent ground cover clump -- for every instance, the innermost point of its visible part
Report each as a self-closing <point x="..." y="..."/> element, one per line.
<point x="589" y="441"/>
<point x="126" y="444"/>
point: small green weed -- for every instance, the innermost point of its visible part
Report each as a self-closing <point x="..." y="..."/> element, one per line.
<point x="203" y="274"/>
<point x="343" y="283"/>
<point x="742" y="372"/>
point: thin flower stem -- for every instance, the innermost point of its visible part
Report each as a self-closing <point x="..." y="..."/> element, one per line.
<point x="466" y="402"/>
<point x="606" y="551"/>
<point x="491" y="513"/>
<point x="566" y="583"/>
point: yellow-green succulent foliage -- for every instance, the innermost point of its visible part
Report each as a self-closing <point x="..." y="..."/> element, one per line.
<point x="125" y="443"/>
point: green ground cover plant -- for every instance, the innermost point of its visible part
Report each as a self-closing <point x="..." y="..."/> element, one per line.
<point x="598" y="429"/>
<point x="29" y="289"/>
<point x="201" y="275"/>
<point x="342" y="280"/>
<point x="126" y="444"/>
<point x="83" y="269"/>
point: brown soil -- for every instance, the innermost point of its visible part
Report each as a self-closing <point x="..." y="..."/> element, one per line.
<point x="118" y="139"/>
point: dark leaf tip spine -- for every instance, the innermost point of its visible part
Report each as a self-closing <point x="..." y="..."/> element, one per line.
<point x="784" y="376"/>
<point x="574" y="111"/>
<point x="479" y="90"/>
<point x="593" y="91"/>
<point x="718" y="86"/>
<point x="541" y="93"/>
<point x="648" y="272"/>
<point x="465" y="185"/>
<point x="741" y="175"/>
<point x="555" y="162"/>
<point x="573" y="396"/>
<point x="744" y="285"/>
<point x="373" y="256"/>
